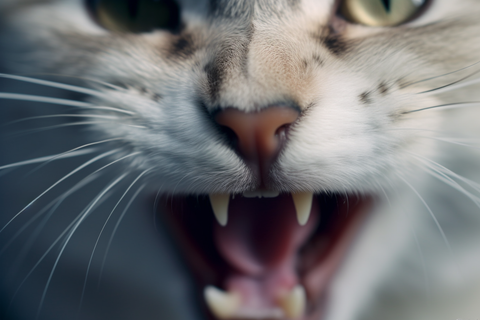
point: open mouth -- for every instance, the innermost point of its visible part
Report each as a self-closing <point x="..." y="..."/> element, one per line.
<point x="264" y="255"/>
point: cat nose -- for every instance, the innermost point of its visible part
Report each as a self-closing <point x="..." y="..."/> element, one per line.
<point x="259" y="136"/>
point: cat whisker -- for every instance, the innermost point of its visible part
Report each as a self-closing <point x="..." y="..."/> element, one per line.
<point x="73" y="115"/>
<point x="60" y="199"/>
<point x="103" y="228"/>
<point x="83" y="216"/>
<point x="459" y="142"/>
<point x="422" y="261"/>
<point x="442" y="75"/>
<point x="453" y="85"/>
<point x="58" y="101"/>
<point x="117" y="160"/>
<point x="417" y="243"/>
<point x="48" y="251"/>
<point x="448" y="106"/>
<point x="440" y="229"/>
<point x="53" y="205"/>
<point x="60" y="156"/>
<point x="53" y="84"/>
<point x="64" y="125"/>
<point x="447" y="173"/>
<point x="38" y="229"/>
<point x="116" y="227"/>
<point x="452" y="183"/>
<point x="74" y="149"/>
<point x="103" y="83"/>
<point x="97" y="158"/>
<point x="155" y="203"/>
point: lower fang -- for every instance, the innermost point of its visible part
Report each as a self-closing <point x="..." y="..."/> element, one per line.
<point x="223" y="305"/>
<point x="293" y="304"/>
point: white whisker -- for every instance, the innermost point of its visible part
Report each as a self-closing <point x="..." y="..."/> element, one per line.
<point x="64" y="125"/>
<point x="442" y="75"/>
<point x="104" y="155"/>
<point x="50" y="249"/>
<point x="103" y="83"/>
<point x="55" y="203"/>
<point x="115" y="229"/>
<point x="76" y="148"/>
<point x="101" y="232"/>
<point x="452" y="86"/>
<point x="422" y="261"/>
<point x="63" y="155"/>
<point x="459" y="142"/>
<point x="52" y="84"/>
<point x="444" y="174"/>
<point x="447" y="106"/>
<point x="64" y="102"/>
<point x="117" y="160"/>
<point x="84" y="215"/>
<point x="447" y="243"/>
<point x="72" y="115"/>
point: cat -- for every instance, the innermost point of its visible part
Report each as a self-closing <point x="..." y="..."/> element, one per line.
<point x="240" y="159"/>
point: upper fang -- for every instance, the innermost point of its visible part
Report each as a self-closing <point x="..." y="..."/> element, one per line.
<point x="303" y="206"/>
<point x="219" y="204"/>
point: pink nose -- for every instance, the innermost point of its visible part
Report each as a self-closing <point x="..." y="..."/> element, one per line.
<point x="260" y="135"/>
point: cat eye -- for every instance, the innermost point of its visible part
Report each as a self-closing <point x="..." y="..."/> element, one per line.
<point x="135" y="15"/>
<point x="381" y="13"/>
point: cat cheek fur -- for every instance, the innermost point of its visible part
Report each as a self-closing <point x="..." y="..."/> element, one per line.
<point x="362" y="129"/>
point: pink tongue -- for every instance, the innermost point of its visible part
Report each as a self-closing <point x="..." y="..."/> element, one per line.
<point x="263" y="234"/>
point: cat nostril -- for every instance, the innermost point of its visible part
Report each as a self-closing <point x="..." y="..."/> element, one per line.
<point x="258" y="136"/>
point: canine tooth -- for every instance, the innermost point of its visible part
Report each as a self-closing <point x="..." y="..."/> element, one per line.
<point x="223" y="304"/>
<point x="303" y="206"/>
<point x="219" y="204"/>
<point x="293" y="303"/>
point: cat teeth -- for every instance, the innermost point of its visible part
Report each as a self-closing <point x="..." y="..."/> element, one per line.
<point x="219" y="204"/>
<point x="224" y="305"/>
<point x="301" y="200"/>
<point x="261" y="194"/>
<point x="293" y="303"/>
<point x="303" y="206"/>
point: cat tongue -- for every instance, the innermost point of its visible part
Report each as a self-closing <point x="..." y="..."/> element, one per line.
<point x="263" y="235"/>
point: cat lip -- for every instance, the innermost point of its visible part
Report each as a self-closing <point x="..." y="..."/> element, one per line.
<point x="248" y="257"/>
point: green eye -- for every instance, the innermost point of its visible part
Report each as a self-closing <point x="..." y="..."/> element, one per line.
<point x="135" y="15"/>
<point x="381" y="13"/>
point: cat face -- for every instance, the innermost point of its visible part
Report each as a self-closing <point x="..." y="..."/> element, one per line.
<point x="358" y="94"/>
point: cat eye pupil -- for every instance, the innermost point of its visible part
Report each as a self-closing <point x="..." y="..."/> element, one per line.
<point x="136" y="16"/>
<point x="386" y="3"/>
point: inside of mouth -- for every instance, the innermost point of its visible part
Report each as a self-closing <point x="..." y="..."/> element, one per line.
<point x="263" y="252"/>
